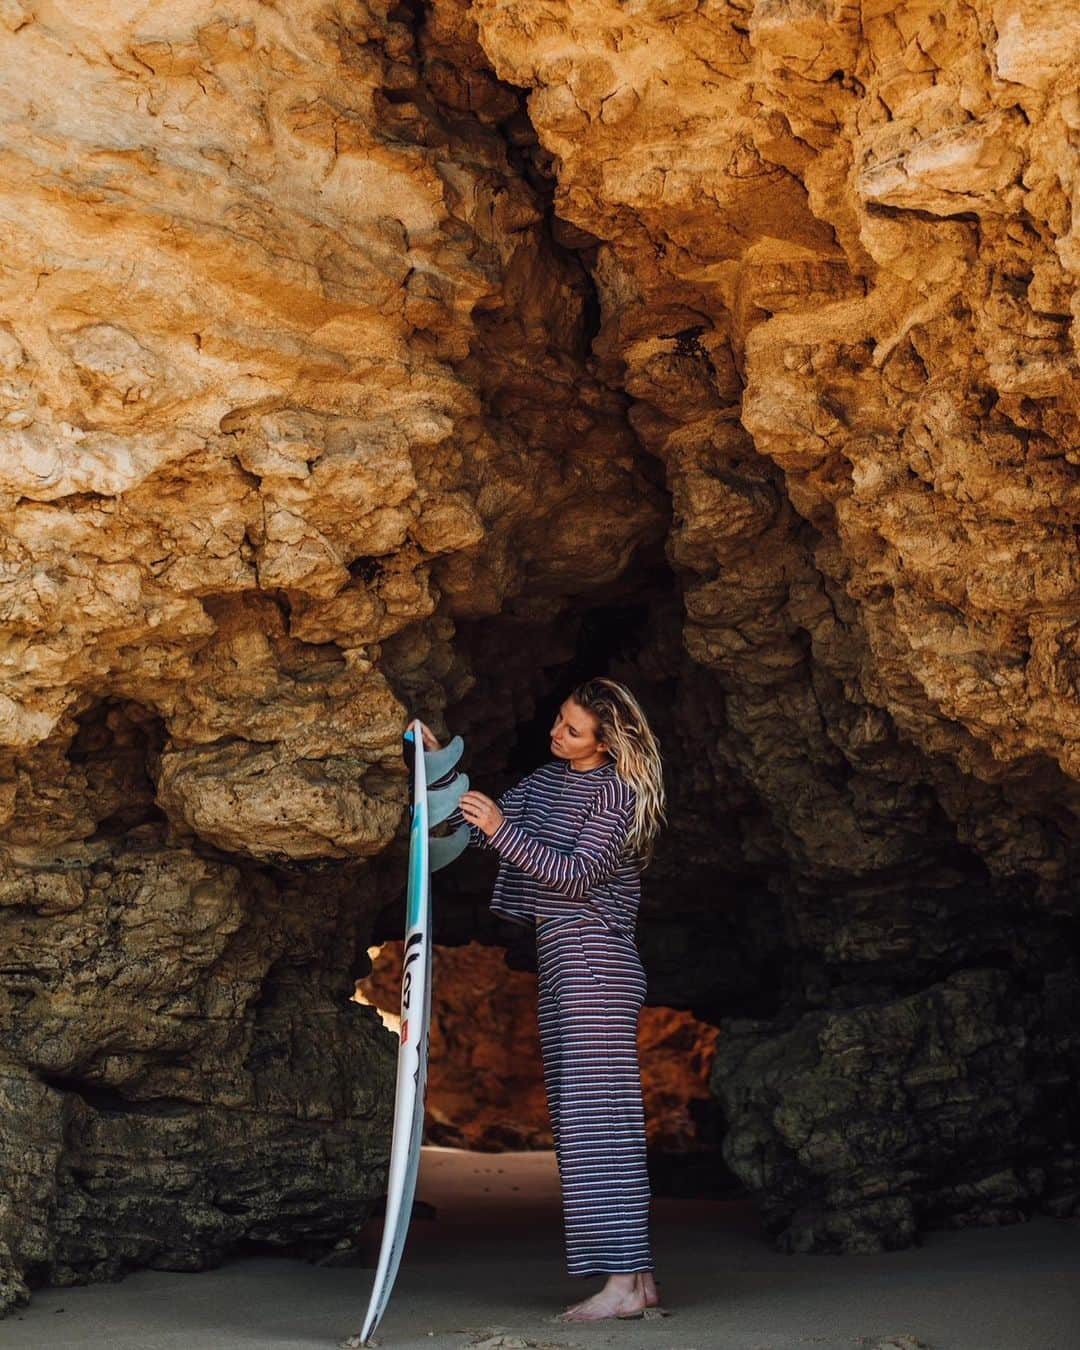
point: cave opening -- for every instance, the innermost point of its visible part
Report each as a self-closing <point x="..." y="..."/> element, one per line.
<point x="485" y="1086"/>
<point x="609" y="638"/>
<point x="485" y="1089"/>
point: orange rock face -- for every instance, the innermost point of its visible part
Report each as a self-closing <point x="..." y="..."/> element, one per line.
<point x="836" y="252"/>
<point x="485" y="1079"/>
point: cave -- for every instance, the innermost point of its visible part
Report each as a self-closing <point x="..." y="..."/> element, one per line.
<point x="485" y="1089"/>
<point x="366" y="362"/>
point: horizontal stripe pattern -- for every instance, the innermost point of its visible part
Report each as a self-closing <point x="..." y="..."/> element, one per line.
<point x="591" y="988"/>
<point x="562" y="846"/>
<point x="563" y="866"/>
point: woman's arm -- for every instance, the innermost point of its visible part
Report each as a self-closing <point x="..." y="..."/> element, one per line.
<point x="511" y="804"/>
<point x="572" y="874"/>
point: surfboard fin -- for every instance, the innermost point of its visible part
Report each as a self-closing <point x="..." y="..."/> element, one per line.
<point x="444" y="849"/>
<point x="442" y="802"/>
<point x="439" y="762"/>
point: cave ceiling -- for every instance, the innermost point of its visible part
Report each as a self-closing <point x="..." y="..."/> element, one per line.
<point x="460" y="310"/>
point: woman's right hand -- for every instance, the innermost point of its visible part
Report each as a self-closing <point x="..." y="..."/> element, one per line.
<point x="431" y="741"/>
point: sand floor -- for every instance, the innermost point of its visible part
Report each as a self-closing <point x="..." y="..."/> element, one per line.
<point x="488" y="1268"/>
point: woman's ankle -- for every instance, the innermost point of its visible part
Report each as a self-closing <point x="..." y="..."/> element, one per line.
<point x="622" y="1284"/>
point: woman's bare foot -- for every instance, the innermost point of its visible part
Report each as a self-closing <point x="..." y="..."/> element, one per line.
<point x="652" y="1293"/>
<point x="622" y="1296"/>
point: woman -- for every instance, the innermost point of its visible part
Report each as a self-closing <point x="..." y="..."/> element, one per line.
<point x="573" y="837"/>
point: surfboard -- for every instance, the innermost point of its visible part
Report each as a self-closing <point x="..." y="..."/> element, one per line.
<point x="425" y="855"/>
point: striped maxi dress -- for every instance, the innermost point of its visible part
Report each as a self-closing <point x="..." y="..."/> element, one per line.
<point x="562" y="868"/>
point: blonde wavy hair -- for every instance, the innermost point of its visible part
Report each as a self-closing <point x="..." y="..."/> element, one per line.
<point x="622" y="726"/>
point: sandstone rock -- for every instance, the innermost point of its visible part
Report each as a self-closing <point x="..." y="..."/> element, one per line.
<point x="876" y="533"/>
<point x="289" y="368"/>
<point x="358" y="363"/>
<point x="31" y="1146"/>
<point x="858" y="335"/>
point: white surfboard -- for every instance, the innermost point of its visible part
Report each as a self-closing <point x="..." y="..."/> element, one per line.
<point x="429" y="808"/>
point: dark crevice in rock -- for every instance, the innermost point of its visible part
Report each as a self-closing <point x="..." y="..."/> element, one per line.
<point x="106" y="1100"/>
<point x="113" y="750"/>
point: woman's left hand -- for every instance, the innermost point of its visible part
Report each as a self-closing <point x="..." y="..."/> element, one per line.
<point x="481" y="811"/>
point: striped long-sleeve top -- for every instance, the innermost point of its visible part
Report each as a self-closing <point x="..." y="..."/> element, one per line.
<point x="562" y="846"/>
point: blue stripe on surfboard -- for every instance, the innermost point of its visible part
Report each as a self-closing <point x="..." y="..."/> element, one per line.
<point x="418" y="866"/>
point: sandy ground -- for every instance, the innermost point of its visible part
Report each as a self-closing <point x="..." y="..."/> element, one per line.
<point x="488" y="1268"/>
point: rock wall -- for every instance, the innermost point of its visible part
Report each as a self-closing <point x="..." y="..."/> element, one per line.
<point x="361" y="360"/>
<point x="180" y="1067"/>
<point x="836" y="261"/>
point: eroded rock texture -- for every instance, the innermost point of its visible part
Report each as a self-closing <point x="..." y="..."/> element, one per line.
<point x="359" y="361"/>
<point x="181" y="1067"/>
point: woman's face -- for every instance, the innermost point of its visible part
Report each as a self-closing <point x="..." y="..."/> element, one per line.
<point x="573" y="733"/>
